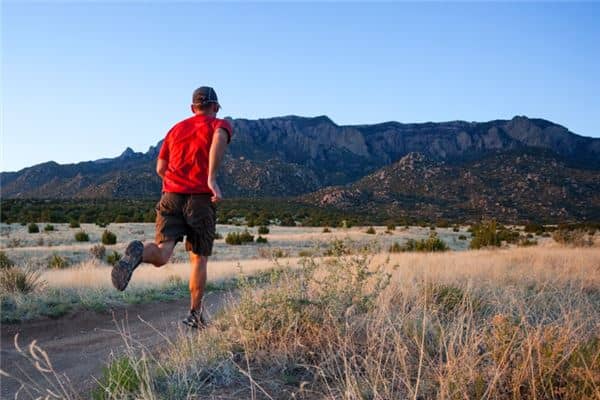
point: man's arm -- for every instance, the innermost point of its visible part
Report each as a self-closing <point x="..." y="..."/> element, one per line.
<point x="161" y="167"/>
<point x="217" y="150"/>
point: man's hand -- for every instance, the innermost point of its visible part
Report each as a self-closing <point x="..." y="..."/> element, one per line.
<point x="214" y="187"/>
<point x="161" y="167"/>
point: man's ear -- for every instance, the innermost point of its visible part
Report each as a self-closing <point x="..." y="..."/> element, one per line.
<point x="193" y="108"/>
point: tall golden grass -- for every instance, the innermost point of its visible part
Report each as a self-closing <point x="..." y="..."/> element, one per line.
<point x="520" y="323"/>
<point x="491" y="324"/>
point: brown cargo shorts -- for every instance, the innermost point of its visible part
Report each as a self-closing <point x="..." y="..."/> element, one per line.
<point x="191" y="215"/>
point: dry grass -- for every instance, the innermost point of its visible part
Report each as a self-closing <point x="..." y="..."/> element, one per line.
<point x="96" y="275"/>
<point x="504" y="324"/>
<point x="518" y="323"/>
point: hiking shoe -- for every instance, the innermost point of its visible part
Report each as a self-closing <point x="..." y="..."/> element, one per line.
<point x="121" y="272"/>
<point x="195" y="320"/>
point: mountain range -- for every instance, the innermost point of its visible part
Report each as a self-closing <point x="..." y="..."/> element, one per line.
<point x="516" y="169"/>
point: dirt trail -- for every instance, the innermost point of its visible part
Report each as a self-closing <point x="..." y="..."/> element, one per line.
<point x="80" y="344"/>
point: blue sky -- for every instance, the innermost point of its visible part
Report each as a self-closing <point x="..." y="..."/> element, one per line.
<point x="84" y="80"/>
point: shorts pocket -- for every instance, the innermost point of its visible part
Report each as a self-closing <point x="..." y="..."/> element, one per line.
<point x="168" y="205"/>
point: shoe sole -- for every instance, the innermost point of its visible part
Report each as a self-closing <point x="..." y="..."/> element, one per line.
<point x="123" y="270"/>
<point x="200" y="326"/>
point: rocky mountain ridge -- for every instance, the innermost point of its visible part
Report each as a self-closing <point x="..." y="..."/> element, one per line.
<point x="354" y="165"/>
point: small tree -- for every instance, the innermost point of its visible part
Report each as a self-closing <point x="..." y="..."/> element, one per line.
<point x="74" y="223"/>
<point x="81" y="236"/>
<point x="263" y="230"/>
<point x="57" y="262"/>
<point x="5" y="262"/>
<point x="288" y="220"/>
<point x="33" y="228"/>
<point x="109" y="238"/>
<point x="485" y="234"/>
<point x="113" y="258"/>
<point x="48" y="228"/>
<point x="370" y="231"/>
<point x="261" y="239"/>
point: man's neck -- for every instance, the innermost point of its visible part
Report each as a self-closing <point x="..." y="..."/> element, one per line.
<point x="206" y="114"/>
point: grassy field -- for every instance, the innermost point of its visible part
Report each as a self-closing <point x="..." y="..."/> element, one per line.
<point x="66" y="276"/>
<point x="519" y="323"/>
<point x="337" y="316"/>
<point x="35" y="249"/>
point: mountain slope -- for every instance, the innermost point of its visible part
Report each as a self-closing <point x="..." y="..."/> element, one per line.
<point x="512" y="186"/>
<point x="289" y="156"/>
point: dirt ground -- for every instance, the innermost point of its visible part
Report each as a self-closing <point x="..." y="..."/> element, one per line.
<point x="80" y="344"/>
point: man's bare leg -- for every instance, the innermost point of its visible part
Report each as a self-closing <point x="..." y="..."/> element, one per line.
<point x="158" y="254"/>
<point x="197" y="280"/>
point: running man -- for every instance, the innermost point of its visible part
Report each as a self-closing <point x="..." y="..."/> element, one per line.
<point x="187" y="163"/>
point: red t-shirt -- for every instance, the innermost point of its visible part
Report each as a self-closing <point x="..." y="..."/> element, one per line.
<point x="186" y="148"/>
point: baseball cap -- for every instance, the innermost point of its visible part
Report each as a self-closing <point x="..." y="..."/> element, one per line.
<point x="204" y="95"/>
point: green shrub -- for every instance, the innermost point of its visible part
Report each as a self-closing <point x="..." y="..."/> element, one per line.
<point x="263" y="230"/>
<point x="119" y="380"/>
<point x="17" y="280"/>
<point x="74" y="223"/>
<point x="237" y="238"/>
<point x="391" y="227"/>
<point x="508" y="235"/>
<point x="287" y="220"/>
<point x="462" y="237"/>
<point x="370" y="231"/>
<point x="81" y="236"/>
<point x="338" y="248"/>
<point x="57" y="262"/>
<point x="485" y="234"/>
<point x="575" y="237"/>
<point x="442" y="224"/>
<point x="5" y="262"/>
<point x="534" y="228"/>
<point x="326" y="230"/>
<point x="33" y="228"/>
<point x="261" y="239"/>
<point x="525" y="241"/>
<point x="431" y="244"/>
<point x="113" y="258"/>
<point x="98" y="251"/>
<point x="48" y="228"/>
<point x="109" y="238"/>
<point x="455" y="229"/>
